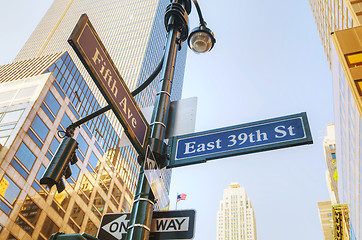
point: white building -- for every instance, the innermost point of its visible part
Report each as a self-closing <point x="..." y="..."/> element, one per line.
<point x="236" y="219"/>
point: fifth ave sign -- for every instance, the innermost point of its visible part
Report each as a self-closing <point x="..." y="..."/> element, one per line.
<point x="100" y="66"/>
<point x="247" y="138"/>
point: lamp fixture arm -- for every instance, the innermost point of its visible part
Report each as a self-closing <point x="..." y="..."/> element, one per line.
<point x="202" y="21"/>
<point x="149" y="79"/>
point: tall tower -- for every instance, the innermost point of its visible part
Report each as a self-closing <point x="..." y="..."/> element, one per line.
<point x="45" y="89"/>
<point x="236" y="219"/>
<point x="339" y="25"/>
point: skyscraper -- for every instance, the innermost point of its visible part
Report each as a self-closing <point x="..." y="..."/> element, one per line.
<point x="236" y="219"/>
<point x="339" y="24"/>
<point x="45" y="89"/>
<point x="326" y="219"/>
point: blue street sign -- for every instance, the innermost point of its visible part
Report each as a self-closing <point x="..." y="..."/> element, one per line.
<point x="247" y="138"/>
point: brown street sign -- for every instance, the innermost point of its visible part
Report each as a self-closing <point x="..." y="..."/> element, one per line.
<point x="94" y="56"/>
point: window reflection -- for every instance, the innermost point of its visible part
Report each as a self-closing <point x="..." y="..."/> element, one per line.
<point x="49" y="227"/>
<point x="116" y="195"/>
<point x="36" y="185"/>
<point x="91" y="228"/>
<point x="54" y="145"/>
<point x="11" y="237"/>
<point x="25" y="156"/>
<point x="75" y="173"/>
<point x="30" y="211"/>
<point x="82" y="144"/>
<point x="126" y="205"/>
<point x="77" y="215"/>
<point x="65" y="122"/>
<point x="8" y="191"/>
<point x="98" y="205"/>
<point x="105" y="180"/>
<point x="52" y="103"/>
<point x="40" y="128"/>
<point x="85" y="190"/>
<point x="60" y="202"/>
<point x="94" y="163"/>
<point x="29" y="215"/>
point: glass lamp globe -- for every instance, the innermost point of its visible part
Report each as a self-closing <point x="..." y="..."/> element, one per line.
<point x="201" y="39"/>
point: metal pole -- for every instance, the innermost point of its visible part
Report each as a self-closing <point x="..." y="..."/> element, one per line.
<point x="142" y="210"/>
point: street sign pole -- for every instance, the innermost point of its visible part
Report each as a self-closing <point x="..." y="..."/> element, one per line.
<point x="177" y="27"/>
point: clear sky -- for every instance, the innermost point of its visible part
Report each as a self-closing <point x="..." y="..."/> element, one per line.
<point x="268" y="61"/>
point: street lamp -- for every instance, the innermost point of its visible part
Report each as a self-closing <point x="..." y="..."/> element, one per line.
<point x="200" y="40"/>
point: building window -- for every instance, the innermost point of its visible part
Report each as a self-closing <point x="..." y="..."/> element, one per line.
<point x="9" y="193"/>
<point x="333" y="156"/>
<point x="38" y="131"/>
<point x="36" y="185"/>
<point x="93" y="164"/>
<point x="354" y="59"/>
<point x="11" y="237"/>
<point x="48" y="228"/>
<point x="29" y="215"/>
<point x="126" y="205"/>
<point x="98" y="205"/>
<point x="75" y="173"/>
<point x="60" y="203"/>
<point x="116" y="195"/>
<point x="65" y="122"/>
<point x="8" y="122"/>
<point x="82" y="144"/>
<point x="40" y="128"/>
<point x="105" y="180"/>
<point x="91" y="228"/>
<point x="85" y="190"/>
<point x="359" y="86"/>
<point x="76" y="217"/>
<point x="52" y="103"/>
<point x="54" y="145"/>
<point x="25" y="156"/>
<point x="60" y="91"/>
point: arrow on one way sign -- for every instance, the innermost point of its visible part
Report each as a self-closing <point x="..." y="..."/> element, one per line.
<point x="114" y="226"/>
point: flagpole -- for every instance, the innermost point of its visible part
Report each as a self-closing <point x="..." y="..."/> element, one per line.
<point x="176" y="200"/>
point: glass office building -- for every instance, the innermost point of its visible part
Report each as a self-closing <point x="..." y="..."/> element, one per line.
<point x="343" y="18"/>
<point x="45" y="89"/>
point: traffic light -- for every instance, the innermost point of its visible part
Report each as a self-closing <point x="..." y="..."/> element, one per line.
<point x="59" y="165"/>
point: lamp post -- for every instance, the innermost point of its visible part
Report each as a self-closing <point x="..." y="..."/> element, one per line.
<point x="200" y="40"/>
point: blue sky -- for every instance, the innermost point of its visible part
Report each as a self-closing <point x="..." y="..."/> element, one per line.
<point x="268" y="61"/>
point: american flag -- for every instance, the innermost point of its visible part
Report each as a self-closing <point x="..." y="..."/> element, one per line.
<point x="181" y="197"/>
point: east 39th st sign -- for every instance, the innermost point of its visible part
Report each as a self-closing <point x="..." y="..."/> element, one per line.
<point x="241" y="139"/>
<point x="100" y="66"/>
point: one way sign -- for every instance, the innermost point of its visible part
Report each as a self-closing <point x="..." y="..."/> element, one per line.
<point x="114" y="226"/>
<point x="177" y="224"/>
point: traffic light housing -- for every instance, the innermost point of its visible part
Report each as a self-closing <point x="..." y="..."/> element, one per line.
<point x="59" y="165"/>
<point x="76" y="236"/>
